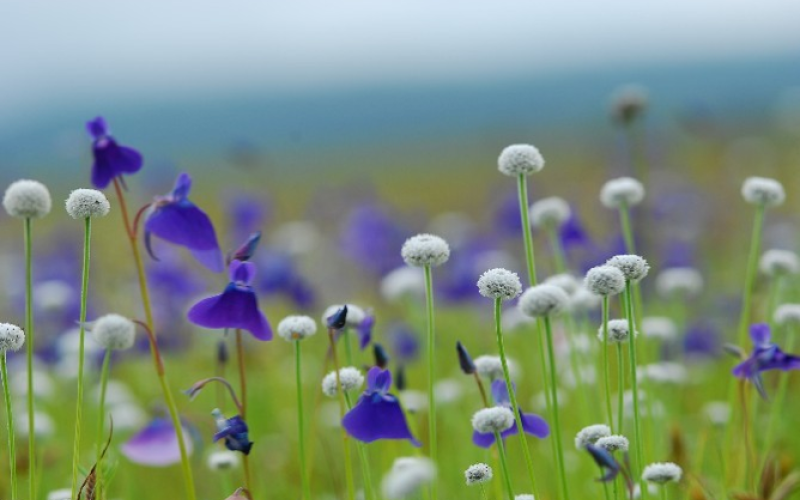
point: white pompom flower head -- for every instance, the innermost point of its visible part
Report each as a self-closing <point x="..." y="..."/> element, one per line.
<point x="12" y="337"/>
<point x="550" y="212"/>
<point x="605" y="280"/>
<point x="684" y="282"/>
<point x="543" y="300"/>
<point x="618" y="331"/>
<point x="623" y="192"/>
<point x="590" y="435"/>
<point x="492" y="420"/>
<point x="114" y="332"/>
<point x="425" y="250"/>
<point x="775" y="263"/>
<point x="87" y="203"/>
<point x="499" y="284"/>
<point x="763" y="192"/>
<point x="294" y="328"/>
<point x="662" y="473"/>
<point x="787" y="314"/>
<point x="633" y="267"/>
<point x="520" y="159"/>
<point x="223" y="460"/>
<point x="613" y="443"/>
<point x="478" y="473"/>
<point x="350" y="379"/>
<point x="27" y="199"/>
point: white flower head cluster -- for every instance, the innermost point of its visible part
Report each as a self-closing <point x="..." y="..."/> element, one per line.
<point x="27" y="199"/>
<point x="402" y="282"/>
<point x="86" y="203"/>
<point x="524" y="496"/>
<point x="633" y="267"/>
<point x="543" y="300"/>
<point x="408" y="475"/>
<point x="478" y="473"/>
<point x="550" y="212"/>
<point x="114" y="332"/>
<point x="520" y="159"/>
<point x="618" y="331"/>
<point x="776" y="263"/>
<point x="564" y="281"/>
<point x="293" y="328"/>
<point x="590" y="435"/>
<point x="623" y="192"/>
<point x="787" y="314"/>
<point x="499" y="284"/>
<point x="628" y="102"/>
<point x="662" y="473"/>
<point x="613" y="443"/>
<point x="584" y="301"/>
<point x="355" y="314"/>
<point x="425" y="250"/>
<point x="683" y="282"/>
<point x="491" y="420"/>
<point x="763" y="192"/>
<point x="491" y="367"/>
<point x="605" y="280"/>
<point x="350" y="379"/>
<point x="223" y="460"/>
<point x="659" y="328"/>
<point x="12" y="338"/>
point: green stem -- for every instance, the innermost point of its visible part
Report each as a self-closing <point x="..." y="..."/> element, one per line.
<point x="12" y="454"/>
<point x="29" y="345"/>
<point x="663" y="492"/>
<point x="634" y="383"/>
<point x="431" y="373"/>
<point x="504" y="465"/>
<point x="341" y="396"/>
<point x="780" y="398"/>
<point x="607" y="376"/>
<point x="750" y="274"/>
<point x="369" y="492"/>
<point x="559" y="255"/>
<point x="620" y="389"/>
<point x="605" y="487"/>
<point x="87" y="236"/>
<point x="240" y="361"/>
<point x="557" y="425"/>
<point x="483" y="492"/>
<point x="101" y="420"/>
<point x="627" y="231"/>
<point x="511" y="393"/>
<point x="522" y="188"/>
<point x="301" y="431"/>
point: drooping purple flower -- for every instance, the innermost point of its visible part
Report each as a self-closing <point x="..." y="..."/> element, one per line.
<point x="765" y="356"/>
<point x="236" y="307"/>
<point x="234" y="431"/>
<point x="606" y="461"/>
<point x="378" y="414"/>
<point x="279" y="275"/>
<point x="338" y="320"/>
<point x="176" y="219"/>
<point x="110" y="159"/>
<point x="381" y="357"/>
<point x="156" y="445"/>
<point x="246" y="251"/>
<point x="464" y="359"/>
<point x="364" y="330"/>
<point x="532" y="424"/>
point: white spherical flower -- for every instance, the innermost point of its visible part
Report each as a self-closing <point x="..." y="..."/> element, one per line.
<point x="491" y="420"/>
<point x="627" y="103"/>
<point x="448" y="391"/>
<point x="618" y="331"/>
<point x="605" y="280"/>
<point x="63" y="494"/>
<point x="350" y="379"/>
<point x="402" y="282"/>
<point x="679" y="282"/>
<point x="633" y="267"/>
<point x="491" y="367"/>
<point x="550" y="212"/>
<point x="763" y="192"/>
<point x="425" y="250"/>
<point x="223" y="460"/>
<point x="613" y="443"/>
<point x="660" y="328"/>
<point x="590" y="435"/>
<point x="661" y="473"/>
<point x="11" y="337"/>
<point x="355" y="314"/>
<point x="478" y="473"/>
<point x="85" y="203"/>
<point x="622" y="193"/>
<point x="499" y="284"/>
<point x="113" y="331"/>
<point x="27" y="199"/>
<point x="296" y="328"/>
<point x="779" y="263"/>
<point x="524" y="496"/>
<point x="520" y="159"/>
<point x="407" y="476"/>
<point x="787" y="314"/>
<point x="564" y="281"/>
<point x="543" y="300"/>
<point x="583" y="301"/>
<point x="718" y="412"/>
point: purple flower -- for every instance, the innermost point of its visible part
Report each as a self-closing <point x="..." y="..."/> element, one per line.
<point x="364" y="330"/>
<point x="464" y="359"/>
<point x="532" y="424"/>
<point x="156" y="445"/>
<point x="404" y="343"/>
<point x="110" y="159"/>
<point x="765" y="356"/>
<point x="279" y="275"/>
<point x="236" y="307"/>
<point x="234" y="431"/>
<point x="176" y="219"/>
<point x="248" y="248"/>
<point x="605" y="461"/>
<point x="371" y="237"/>
<point x="378" y="414"/>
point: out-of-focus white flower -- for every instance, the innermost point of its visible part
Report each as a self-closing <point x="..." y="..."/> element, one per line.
<point x="683" y="282"/>
<point x="520" y="159"/>
<point x="622" y="192"/>
<point x="425" y="250"/>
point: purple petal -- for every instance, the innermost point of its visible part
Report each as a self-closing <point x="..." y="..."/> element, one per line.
<point x="364" y="331"/>
<point x="500" y="393"/>
<point x="242" y="272"/>
<point x="760" y="334"/>
<point x="97" y="127"/>
<point x="183" y="184"/>
<point x="534" y="425"/>
<point x="186" y="225"/>
<point x="112" y="160"/>
<point x="483" y="440"/>
<point x="156" y="445"/>
<point x="234" y="308"/>
<point x="378" y="380"/>
<point x="746" y="369"/>
<point x="377" y="418"/>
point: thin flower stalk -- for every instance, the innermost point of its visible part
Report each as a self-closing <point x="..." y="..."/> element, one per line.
<point x="431" y="372"/>
<point x="620" y="389"/>
<point x="243" y="394"/>
<point x="301" y="427"/>
<point x="348" y="463"/>
<point x="606" y="374"/>
<point x="369" y="491"/>
<point x="556" y="420"/>
<point x="637" y="431"/>
<point x="101" y="420"/>
<point x="12" y="454"/>
<point x="504" y="465"/>
<point x="29" y="359"/>
<point x="780" y="397"/>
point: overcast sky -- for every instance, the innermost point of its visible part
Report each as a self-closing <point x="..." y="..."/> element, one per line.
<point x="55" y="52"/>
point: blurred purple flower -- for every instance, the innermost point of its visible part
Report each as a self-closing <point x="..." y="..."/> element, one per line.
<point x="404" y="342"/>
<point x="236" y="307"/>
<point x="765" y="356"/>
<point x="606" y="461"/>
<point x="378" y="414"/>
<point x="371" y="238"/>
<point x="532" y="424"/>
<point x="110" y="159"/>
<point x="176" y="219"/>
<point x="279" y="276"/>
<point x="572" y="233"/>
<point x="156" y="445"/>
<point x="364" y="330"/>
<point x="702" y="340"/>
<point x="246" y="251"/>
<point x="234" y="431"/>
<point x="246" y="214"/>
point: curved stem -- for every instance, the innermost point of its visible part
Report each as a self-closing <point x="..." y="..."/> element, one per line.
<point x="101" y="420"/>
<point x="606" y="375"/>
<point x="304" y="472"/>
<point x="634" y="383"/>
<point x="243" y="393"/>
<point x="557" y="425"/>
<point x="431" y="373"/>
<point x="504" y="465"/>
<point x="369" y="493"/>
<point x="512" y="395"/>
<point x="348" y="463"/>
<point x="29" y="345"/>
<point x="12" y="454"/>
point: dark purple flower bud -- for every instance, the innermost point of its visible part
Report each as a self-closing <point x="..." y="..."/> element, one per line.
<point x="464" y="359"/>
<point x="364" y="330"/>
<point x="234" y="431"/>
<point x="765" y="356"/>
<point x="606" y="461"/>
<point x="378" y="414"/>
<point x="381" y="358"/>
<point x="248" y="249"/>
<point x="236" y="307"/>
<point x="110" y="159"/>
<point x="176" y="219"/>
<point x="222" y="353"/>
<point x="338" y="320"/>
<point x="400" y="374"/>
<point x="532" y="424"/>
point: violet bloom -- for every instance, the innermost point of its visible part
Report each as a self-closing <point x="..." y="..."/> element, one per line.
<point x="606" y="461"/>
<point x="156" y="445"/>
<point x="364" y="330"/>
<point x="765" y="356"/>
<point x="176" y="219"/>
<point x="532" y="424"/>
<point x="110" y="159"/>
<point x="236" y="307"/>
<point x="234" y="431"/>
<point x="378" y="414"/>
